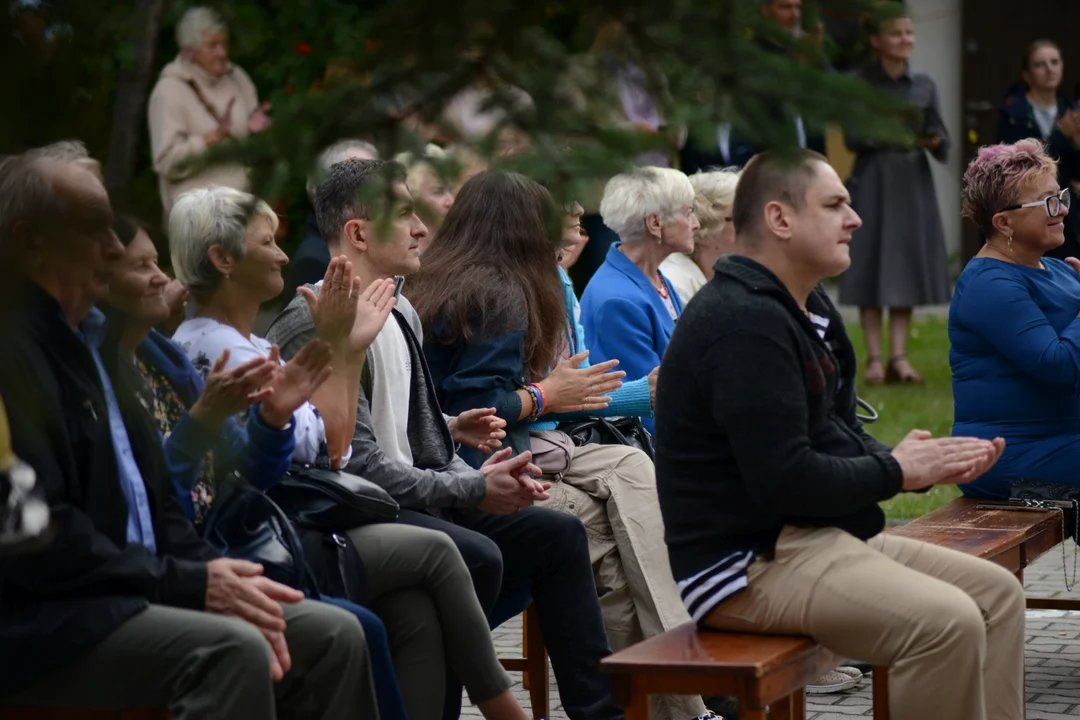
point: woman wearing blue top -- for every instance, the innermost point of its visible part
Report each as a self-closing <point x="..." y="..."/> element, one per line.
<point x="498" y="315"/>
<point x="1014" y="324"/>
<point x="629" y="308"/>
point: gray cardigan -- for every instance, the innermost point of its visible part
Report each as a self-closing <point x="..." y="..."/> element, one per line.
<point x="438" y="478"/>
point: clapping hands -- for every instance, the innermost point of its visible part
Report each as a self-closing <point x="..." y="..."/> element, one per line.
<point x="344" y="317"/>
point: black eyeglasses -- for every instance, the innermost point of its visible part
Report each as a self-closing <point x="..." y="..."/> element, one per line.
<point x="1053" y="203"/>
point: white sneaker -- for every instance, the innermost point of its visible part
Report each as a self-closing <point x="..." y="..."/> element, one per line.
<point x="835" y="681"/>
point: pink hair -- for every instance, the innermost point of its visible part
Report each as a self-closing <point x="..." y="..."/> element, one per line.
<point x="997" y="176"/>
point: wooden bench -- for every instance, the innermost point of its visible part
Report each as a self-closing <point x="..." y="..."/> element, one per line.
<point x="765" y="672"/>
<point x="533" y="664"/>
<point x="1009" y="537"/>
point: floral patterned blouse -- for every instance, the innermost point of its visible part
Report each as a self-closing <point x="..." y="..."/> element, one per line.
<point x="167" y="408"/>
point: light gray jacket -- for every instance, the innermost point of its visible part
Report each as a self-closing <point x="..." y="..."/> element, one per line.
<point x="438" y="478"/>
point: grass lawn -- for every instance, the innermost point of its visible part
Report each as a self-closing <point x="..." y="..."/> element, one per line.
<point x="903" y="407"/>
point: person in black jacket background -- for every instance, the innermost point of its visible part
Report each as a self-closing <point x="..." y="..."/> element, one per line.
<point x="1036" y="107"/>
<point x="127" y="607"/>
<point x="783" y="25"/>
<point x="769" y="486"/>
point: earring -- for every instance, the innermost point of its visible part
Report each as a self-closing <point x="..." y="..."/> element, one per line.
<point x="1009" y="236"/>
<point x="228" y="275"/>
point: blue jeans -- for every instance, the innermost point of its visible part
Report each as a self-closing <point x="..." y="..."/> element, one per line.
<point x="387" y="691"/>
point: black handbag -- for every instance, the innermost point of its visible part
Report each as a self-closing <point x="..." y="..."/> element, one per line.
<point x="331" y="500"/>
<point x="244" y="523"/>
<point x="627" y="431"/>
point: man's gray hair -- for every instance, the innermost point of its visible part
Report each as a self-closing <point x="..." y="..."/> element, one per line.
<point x="27" y="193"/>
<point x="206" y="217"/>
<point x="196" y="23"/>
<point x="631" y="197"/>
<point x="339" y="198"/>
<point x="338" y="152"/>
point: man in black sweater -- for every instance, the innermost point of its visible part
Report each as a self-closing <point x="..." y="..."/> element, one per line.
<point x="769" y="485"/>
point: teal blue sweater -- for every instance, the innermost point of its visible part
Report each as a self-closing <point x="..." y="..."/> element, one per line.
<point x="631" y="399"/>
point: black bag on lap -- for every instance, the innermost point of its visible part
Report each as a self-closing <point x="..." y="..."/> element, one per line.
<point x="247" y="524"/>
<point x="627" y="431"/>
<point x="331" y="500"/>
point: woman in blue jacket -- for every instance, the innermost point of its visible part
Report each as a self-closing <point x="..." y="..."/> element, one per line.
<point x="1014" y="325"/>
<point x="629" y="308"/>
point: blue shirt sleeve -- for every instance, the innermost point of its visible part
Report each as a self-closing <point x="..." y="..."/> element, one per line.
<point x="998" y="306"/>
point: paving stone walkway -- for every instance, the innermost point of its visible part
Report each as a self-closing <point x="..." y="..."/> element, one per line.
<point x="1052" y="657"/>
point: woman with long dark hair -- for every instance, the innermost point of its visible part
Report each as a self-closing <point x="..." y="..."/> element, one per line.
<point x="495" y="322"/>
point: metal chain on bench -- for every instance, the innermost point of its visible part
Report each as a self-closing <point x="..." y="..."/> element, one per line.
<point x="1042" y="504"/>
<point x="1076" y="529"/>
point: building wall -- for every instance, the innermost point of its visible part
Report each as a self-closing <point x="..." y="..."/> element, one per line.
<point x="938" y="48"/>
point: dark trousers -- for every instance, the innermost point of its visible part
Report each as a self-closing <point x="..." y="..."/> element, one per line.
<point x="387" y="690"/>
<point x="540" y="556"/>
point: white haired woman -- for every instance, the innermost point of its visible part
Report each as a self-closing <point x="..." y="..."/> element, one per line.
<point x="629" y="308"/>
<point x="199" y="100"/>
<point x="714" y="195"/>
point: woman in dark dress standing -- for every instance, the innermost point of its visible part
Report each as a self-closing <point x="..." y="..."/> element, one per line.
<point x="1035" y="107"/>
<point x="898" y="258"/>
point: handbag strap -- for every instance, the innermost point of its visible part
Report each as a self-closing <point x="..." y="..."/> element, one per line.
<point x="204" y="102"/>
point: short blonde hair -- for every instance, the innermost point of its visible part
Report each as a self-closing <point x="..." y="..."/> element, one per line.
<point x="206" y="217"/>
<point x="196" y="23"/>
<point x="631" y="197"/>
<point x="714" y="193"/>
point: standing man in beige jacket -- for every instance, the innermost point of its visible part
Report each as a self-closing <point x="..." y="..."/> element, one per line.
<point x="199" y="100"/>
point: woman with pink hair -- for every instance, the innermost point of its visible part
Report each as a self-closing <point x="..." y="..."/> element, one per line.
<point x="1014" y="324"/>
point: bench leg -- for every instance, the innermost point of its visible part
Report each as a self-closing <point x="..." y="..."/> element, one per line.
<point x="637" y="705"/>
<point x="537" y="660"/>
<point x="880" y="690"/>
<point x="793" y="707"/>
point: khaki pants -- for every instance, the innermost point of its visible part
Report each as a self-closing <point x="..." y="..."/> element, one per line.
<point x="950" y="627"/>
<point x="612" y="490"/>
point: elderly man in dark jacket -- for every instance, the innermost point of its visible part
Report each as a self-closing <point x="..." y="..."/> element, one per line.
<point x="127" y="607"/>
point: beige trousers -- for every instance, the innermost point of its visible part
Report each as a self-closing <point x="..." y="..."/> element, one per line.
<point x="949" y="626"/>
<point x="612" y="490"/>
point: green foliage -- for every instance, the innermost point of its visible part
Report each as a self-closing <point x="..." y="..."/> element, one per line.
<point x="395" y="64"/>
<point x="409" y="58"/>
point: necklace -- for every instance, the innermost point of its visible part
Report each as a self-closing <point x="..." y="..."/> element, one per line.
<point x="662" y="290"/>
<point x="1009" y="258"/>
